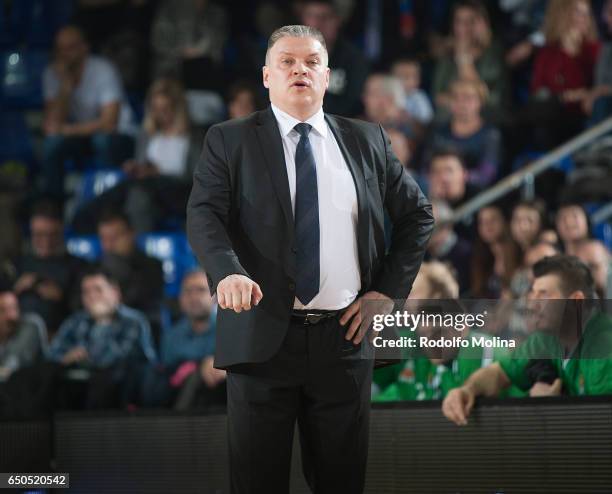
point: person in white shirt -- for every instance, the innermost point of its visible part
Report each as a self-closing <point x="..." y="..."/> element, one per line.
<point x="86" y="113"/>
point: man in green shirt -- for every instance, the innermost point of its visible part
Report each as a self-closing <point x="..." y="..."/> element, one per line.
<point x="557" y="357"/>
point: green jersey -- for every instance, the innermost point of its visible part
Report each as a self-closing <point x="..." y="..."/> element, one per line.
<point x="587" y="370"/>
<point x="417" y="378"/>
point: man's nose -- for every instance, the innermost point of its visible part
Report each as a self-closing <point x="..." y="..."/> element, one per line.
<point x="300" y="68"/>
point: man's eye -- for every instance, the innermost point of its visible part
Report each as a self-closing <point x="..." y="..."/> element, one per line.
<point x="314" y="62"/>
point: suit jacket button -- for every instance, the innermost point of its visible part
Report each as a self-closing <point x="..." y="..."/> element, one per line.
<point x="291" y="286"/>
<point x="294" y="250"/>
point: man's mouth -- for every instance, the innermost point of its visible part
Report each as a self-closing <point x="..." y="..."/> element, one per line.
<point x="301" y="84"/>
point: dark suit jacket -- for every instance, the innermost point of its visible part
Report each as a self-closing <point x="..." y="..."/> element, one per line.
<point x="240" y="220"/>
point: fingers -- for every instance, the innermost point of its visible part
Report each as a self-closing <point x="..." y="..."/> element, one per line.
<point x="354" y="326"/>
<point x="238" y="293"/>
<point x="350" y="312"/>
<point x="256" y="294"/>
<point x="455" y="408"/>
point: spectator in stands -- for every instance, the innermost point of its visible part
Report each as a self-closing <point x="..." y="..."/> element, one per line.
<point x="598" y="103"/>
<point x="471" y="54"/>
<point x="160" y="174"/>
<point x="22" y="336"/>
<point x="523" y="277"/>
<point x="48" y="276"/>
<point x="188" y="37"/>
<point x="430" y="373"/>
<point x="495" y="257"/>
<point x="242" y="99"/>
<point x="560" y="293"/>
<point x="188" y="378"/>
<point x="348" y="66"/>
<point x="401" y="146"/>
<point x="527" y="222"/>
<point x="447" y="247"/>
<point x="107" y="339"/>
<point x="563" y="71"/>
<point x="164" y="145"/>
<point x="384" y="102"/>
<point x="448" y="178"/>
<point x="572" y="223"/>
<point x="86" y="113"/>
<point x="478" y="142"/>
<point x="597" y="258"/>
<point x="140" y="277"/>
<point x="417" y="104"/>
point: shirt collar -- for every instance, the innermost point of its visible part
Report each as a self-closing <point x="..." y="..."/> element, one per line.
<point x="286" y="122"/>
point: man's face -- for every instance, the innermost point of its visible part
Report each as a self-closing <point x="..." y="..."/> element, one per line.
<point x="70" y="47"/>
<point x="377" y="102"/>
<point x="116" y="238"/>
<point x="9" y="313"/>
<point x="195" y="299"/>
<point x="46" y="236"/>
<point x="546" y="302"/>
<point x="297" y="74"/>
<point x="323" y="18"/>
<point x="465" y="101"/>
<point x="597" y="259"/>
<point x="99" y="296"/>
<point x="447" y="178"/>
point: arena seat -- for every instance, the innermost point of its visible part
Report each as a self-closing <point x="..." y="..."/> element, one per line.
<point x="84" y="246"/>
<point x="173" y="250"/>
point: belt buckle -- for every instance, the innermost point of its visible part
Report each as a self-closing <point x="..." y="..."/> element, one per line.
<point x="314" y="318"/>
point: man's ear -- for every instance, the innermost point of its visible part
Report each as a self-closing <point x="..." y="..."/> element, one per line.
<point x="327" y="73"/>
<point x="577" y="295"/>
<point x="265" y="73"/>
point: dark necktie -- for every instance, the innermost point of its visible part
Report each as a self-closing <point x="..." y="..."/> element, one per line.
<point x="306" y="218"/>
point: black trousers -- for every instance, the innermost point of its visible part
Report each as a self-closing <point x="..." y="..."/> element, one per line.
<point x="318" y="379"/>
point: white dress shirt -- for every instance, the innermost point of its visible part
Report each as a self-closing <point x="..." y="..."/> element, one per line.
<point x="340" y="280"/>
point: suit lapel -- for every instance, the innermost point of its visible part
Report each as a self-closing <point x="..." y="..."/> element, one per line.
<point x="272" y="148"/>
<point x="352" y="154"/>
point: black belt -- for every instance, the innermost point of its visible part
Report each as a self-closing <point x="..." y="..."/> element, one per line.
<point x="309" y="317"/>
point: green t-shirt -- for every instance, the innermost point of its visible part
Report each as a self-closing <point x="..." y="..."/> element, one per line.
<point x="417" y="378"/>
<point x="586" y="371"/>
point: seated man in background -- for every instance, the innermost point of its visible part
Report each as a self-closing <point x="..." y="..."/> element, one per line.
<point x="86" y="113"/>
<point x="570" y="351"/>
<point x="140" y="276"/>
<point x="448" y="178"/>
<point x="478" y="141"/>
<point x="598" y="259"/>
<point x="188" y="377"/>
<point x="430" y="373"/>
<point x="48" y="276"/>
<point x="21" y="335"/>
<point x="104" y="346"/>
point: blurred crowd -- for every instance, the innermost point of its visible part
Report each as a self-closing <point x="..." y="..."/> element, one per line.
<point x="468" y="92"/>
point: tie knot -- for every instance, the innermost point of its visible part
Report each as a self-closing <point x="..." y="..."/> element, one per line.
<point x="303" y="129"/>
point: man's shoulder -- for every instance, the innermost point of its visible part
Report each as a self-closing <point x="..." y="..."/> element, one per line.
<point x="358" y="126"/>
<point x="238" y="124"/>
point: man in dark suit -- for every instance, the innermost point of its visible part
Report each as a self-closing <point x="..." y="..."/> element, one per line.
<point x="287" y="217"/>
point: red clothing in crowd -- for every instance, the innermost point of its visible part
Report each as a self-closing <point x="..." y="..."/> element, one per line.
<point x="557" y="71"/>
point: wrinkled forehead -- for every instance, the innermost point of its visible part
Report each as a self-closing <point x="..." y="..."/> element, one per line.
<point x="298" y="46"/>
